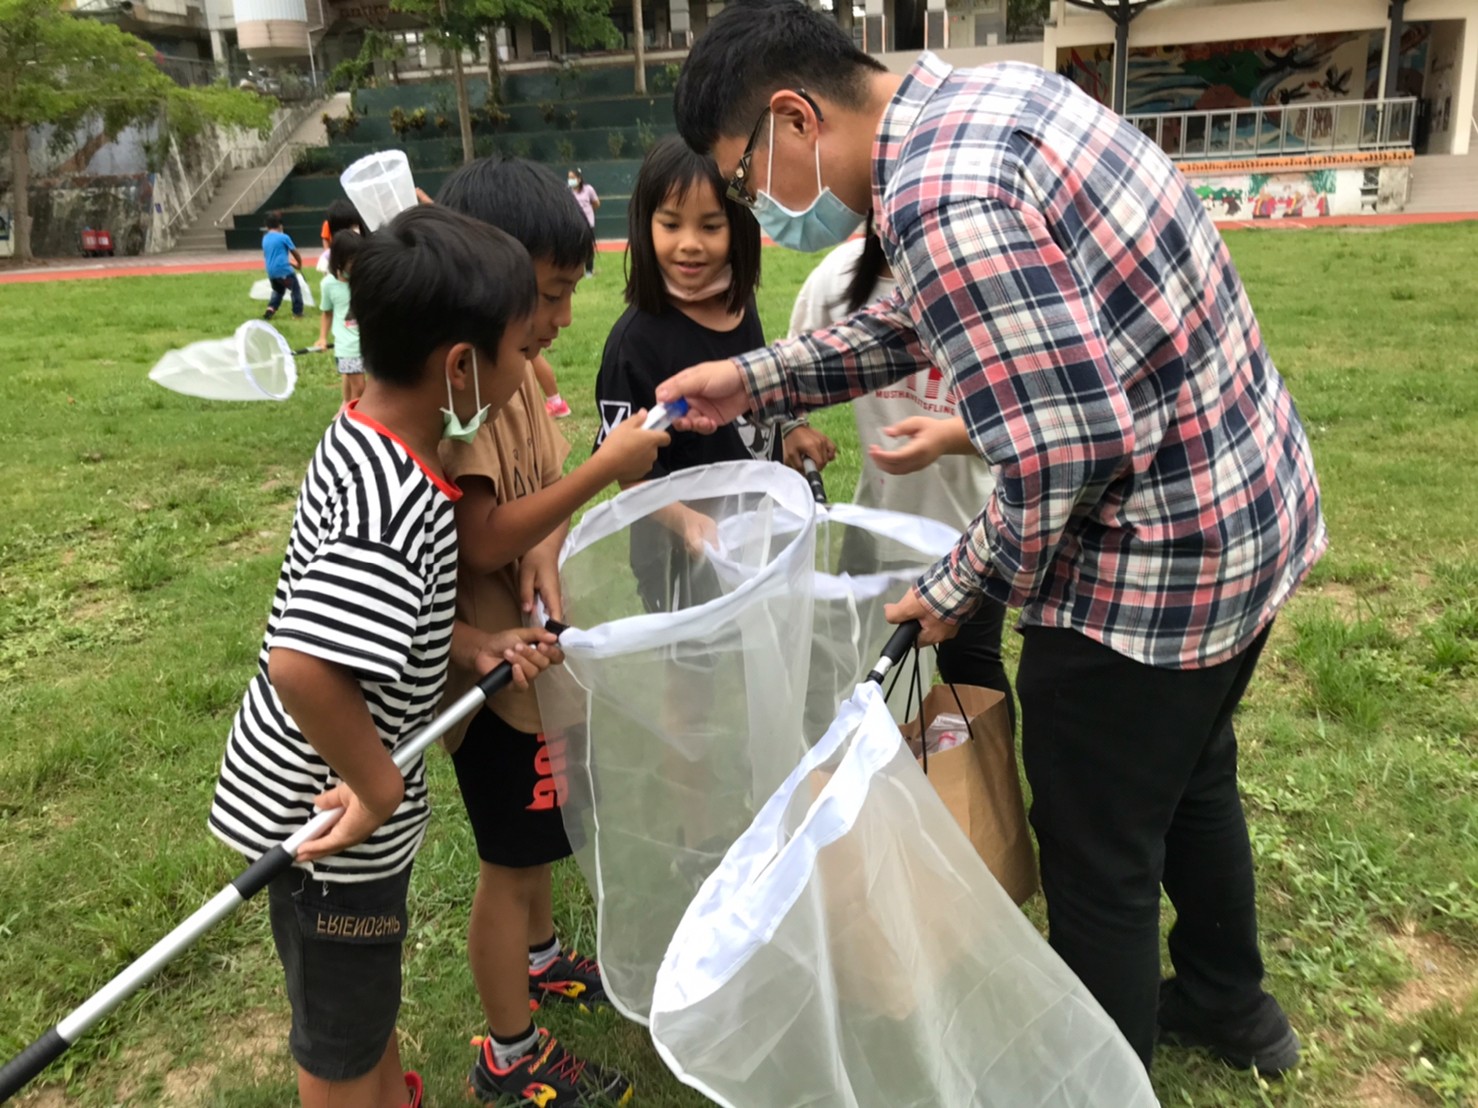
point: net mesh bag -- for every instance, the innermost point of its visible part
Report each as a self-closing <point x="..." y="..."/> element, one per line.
<point x="852" y="951"/>
<point x="678" y="709"/>
<point x="255" y="363"/>
<point x="866" y="558"/>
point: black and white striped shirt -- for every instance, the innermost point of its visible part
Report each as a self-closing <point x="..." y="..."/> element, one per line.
<point x="369" y="583"/>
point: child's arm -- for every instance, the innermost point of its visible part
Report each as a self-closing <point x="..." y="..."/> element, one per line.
<point x="803" y="441"/>
<point x="538" y="575"/>
<point x="694" y="528"/>
<point x="297" y="258"/>
<point x="491" y="534"/>
<point x="325" y="322"/>
<point x="530" y="650"/>
<point x="327" y="704"/>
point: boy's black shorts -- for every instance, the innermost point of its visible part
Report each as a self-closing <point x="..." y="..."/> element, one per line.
<point x="512" y="785"/>
<point x="340" y="944"/>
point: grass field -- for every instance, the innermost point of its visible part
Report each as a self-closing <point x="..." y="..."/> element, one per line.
<point x="140" y="537"/>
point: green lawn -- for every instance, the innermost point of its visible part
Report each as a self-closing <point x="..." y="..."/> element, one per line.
<point x="140" y="536"/>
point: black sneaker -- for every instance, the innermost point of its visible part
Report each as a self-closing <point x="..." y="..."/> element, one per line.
<point x="550" y="1077"/>
<point x="1261" y="1040"/>
<point x="269" y="313"/>
<point x="569" y="979"/>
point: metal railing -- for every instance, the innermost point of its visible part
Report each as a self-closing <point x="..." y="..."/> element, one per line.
<point x="1323" y="127"/>
<point x="253" y="194"/>
<point x="281" y="131"/>
<point x="264" y="182"/>
<point x="215" y="171"/>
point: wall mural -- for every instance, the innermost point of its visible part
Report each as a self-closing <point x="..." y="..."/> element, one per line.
<point x="1249" y="72"/>
<point x="1311" y="195"/>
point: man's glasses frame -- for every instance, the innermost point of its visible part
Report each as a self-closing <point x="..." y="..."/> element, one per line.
<point x="737" y="190"/>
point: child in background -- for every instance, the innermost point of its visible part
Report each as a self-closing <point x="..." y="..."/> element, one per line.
<point x="283" y="264"/>
<point x="357" y="644"/>
<point x="554" y="404"/>
<point x="511" y="522"/>
<point x="333" y="298"/>
<point x="341" y="216"/>
<point x="589" y="201"/>
<point x="937" y="473"/>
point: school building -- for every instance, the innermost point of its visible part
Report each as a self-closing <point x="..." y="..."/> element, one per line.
<point x="1277" y="107"/>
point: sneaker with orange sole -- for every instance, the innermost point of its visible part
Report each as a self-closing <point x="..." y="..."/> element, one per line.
<point x="548" y="1077"/>
<point x="569" y="979"/>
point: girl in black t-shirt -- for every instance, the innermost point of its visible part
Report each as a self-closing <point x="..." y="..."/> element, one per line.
<point x="693" y="265"/>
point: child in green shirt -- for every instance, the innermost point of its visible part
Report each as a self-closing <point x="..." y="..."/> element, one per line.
<point x="333" y="298"/>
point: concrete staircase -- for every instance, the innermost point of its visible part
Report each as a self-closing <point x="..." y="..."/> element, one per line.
<point x="207" y="234"/>
<point x="1444" y="183"/>
<point x="203" y="236"/>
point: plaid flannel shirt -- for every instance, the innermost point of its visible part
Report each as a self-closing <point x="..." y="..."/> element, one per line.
<point x="1154" y="487"/>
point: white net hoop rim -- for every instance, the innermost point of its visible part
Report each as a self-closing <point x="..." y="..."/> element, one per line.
<point x="266" y="333"/>
<point x="637" y="632"/>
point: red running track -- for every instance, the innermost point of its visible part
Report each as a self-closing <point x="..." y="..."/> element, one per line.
<point x="243" y="261"/>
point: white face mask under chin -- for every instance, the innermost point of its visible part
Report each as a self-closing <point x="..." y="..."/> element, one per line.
<point x="451" y="426"/>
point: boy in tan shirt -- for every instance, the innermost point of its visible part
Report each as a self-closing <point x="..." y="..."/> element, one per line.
<point x="511" y="520"/>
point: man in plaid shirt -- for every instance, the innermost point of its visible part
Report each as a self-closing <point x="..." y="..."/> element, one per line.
<point x="1155" y="500"/>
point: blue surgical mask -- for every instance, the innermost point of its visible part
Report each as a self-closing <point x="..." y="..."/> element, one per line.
<point x="451" y="426"/>
<point x="823" y="223"/>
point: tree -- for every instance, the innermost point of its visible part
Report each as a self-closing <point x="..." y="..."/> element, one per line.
<point x="585" y="23"/>
<point x="639" y="44"/>
<point x="60" y="70"/>
<point x="356" y="72"/>
<point x="1024" y="18"/>
<point x="455" y="37"/>
<point x="458" y="25"/>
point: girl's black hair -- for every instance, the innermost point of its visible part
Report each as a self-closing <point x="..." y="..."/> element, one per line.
<point x="672" y="166"/>
<point x="579" y="175"/>
<point x="342" y="216"/>
<point x="870" y="265"/>
<point x="342" y="250"/>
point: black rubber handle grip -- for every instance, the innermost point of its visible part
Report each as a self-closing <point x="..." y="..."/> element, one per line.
<point x="898" y="645"/>
<point x="259" y="874"/>
<point x="17" y="1073"/>
<point x="813" y="478"/>
<point x="496" y="680"/>
<point x="501" y="676"/>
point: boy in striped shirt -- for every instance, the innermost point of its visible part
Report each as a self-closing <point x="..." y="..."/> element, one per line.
<point x="359" y="637"/>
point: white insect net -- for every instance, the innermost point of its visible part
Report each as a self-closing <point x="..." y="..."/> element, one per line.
<point x="678" y="709"/>
<point x="852" y="951"/>
<point x="798" y="925"/>
<point x="255" y="363"/>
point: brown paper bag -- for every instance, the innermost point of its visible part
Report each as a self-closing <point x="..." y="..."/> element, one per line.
<point x="978" y="783"/>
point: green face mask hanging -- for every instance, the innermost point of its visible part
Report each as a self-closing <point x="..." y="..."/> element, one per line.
<point x="451" y="426"/>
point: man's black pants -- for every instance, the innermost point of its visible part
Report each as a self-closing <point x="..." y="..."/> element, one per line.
<point x="1133" y="771"/>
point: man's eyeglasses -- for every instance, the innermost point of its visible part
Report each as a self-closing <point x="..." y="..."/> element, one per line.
<point x="737" y="190"/>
